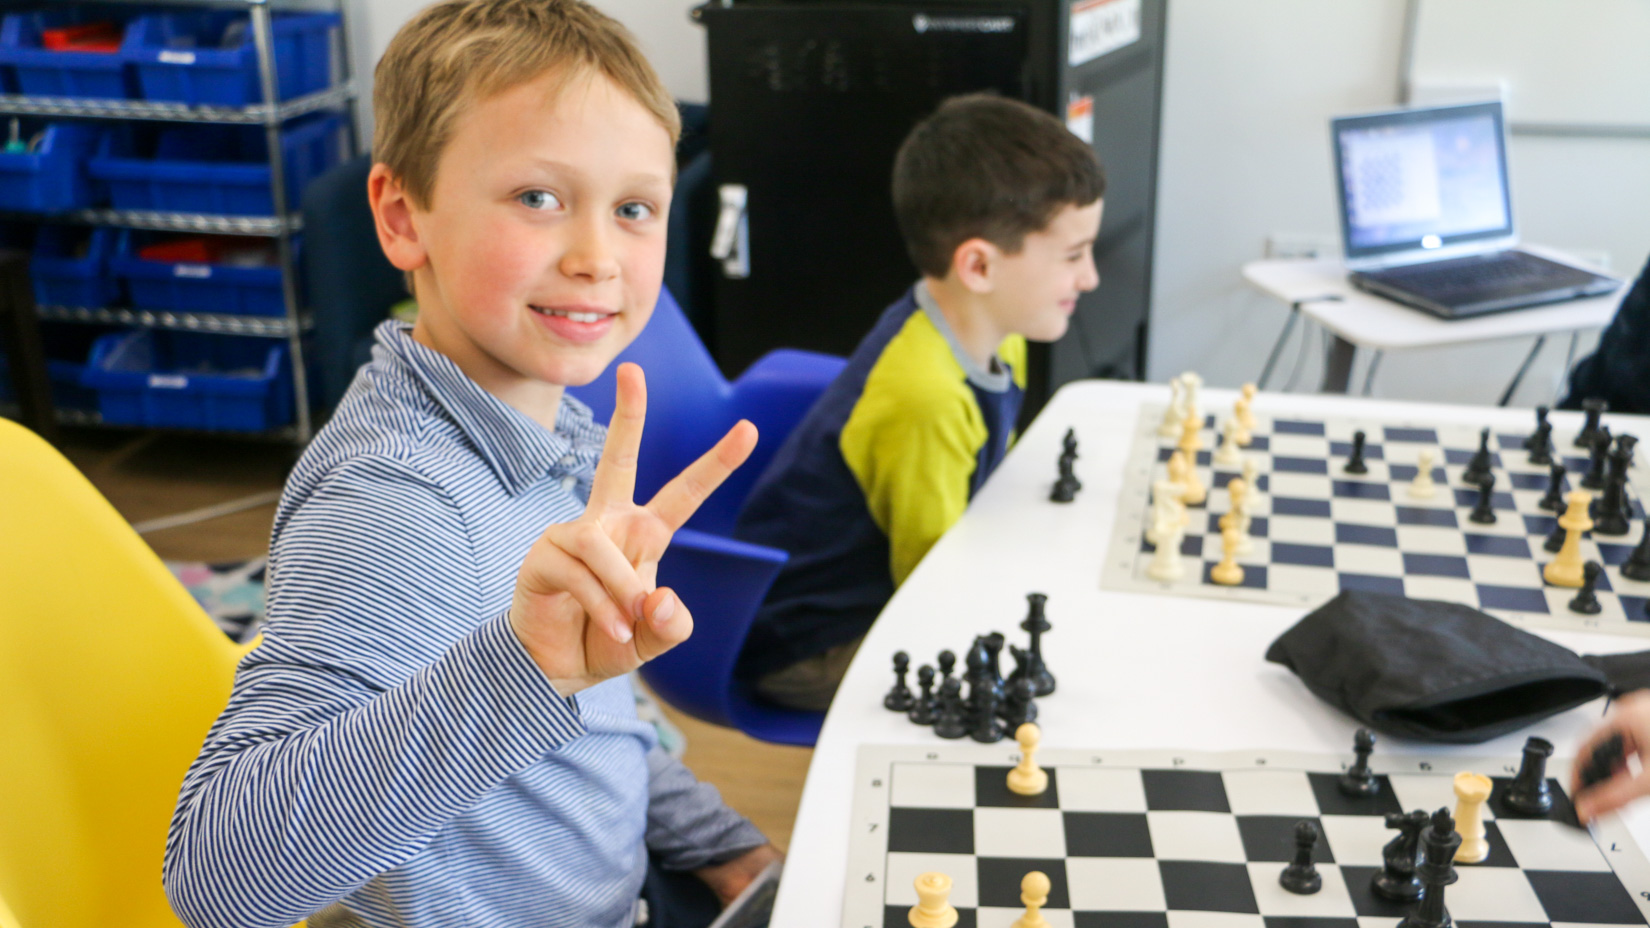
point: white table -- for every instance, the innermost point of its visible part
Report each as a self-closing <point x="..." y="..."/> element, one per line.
<point x="1134" y="670"/>
<point x="1319" y="289"/>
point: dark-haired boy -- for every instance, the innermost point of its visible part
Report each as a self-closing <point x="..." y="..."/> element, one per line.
<point x="999" y="205"/>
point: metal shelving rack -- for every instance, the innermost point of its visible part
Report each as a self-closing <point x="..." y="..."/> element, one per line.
<point x="281" y="227"/>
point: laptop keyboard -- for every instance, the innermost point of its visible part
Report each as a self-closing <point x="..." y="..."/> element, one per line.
<point x="1502" y="270"/>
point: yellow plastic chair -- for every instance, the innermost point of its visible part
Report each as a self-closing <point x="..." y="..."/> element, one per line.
<point x="110" y="676"/>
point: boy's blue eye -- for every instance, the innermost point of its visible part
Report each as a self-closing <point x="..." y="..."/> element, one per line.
<point x="539" y="199"/>
<point x="635" y="211"/>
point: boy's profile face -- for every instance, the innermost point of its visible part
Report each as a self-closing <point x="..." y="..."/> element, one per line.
<point x="540" y="254"/>
<point x="1035" y="290"/>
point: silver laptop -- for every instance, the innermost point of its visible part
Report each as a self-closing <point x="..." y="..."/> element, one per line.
<point x="1426" y="217"/>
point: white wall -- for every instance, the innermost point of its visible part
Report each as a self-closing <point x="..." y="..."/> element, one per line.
<point x="1248" y="92"/>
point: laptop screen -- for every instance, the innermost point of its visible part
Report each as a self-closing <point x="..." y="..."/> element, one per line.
<point x="1422" y="179"/>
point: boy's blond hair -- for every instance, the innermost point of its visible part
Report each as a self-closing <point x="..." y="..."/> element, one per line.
<point x="459" y="51"/>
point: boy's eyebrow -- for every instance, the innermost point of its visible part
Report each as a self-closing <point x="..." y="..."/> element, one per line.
<point x="640" y="177"/>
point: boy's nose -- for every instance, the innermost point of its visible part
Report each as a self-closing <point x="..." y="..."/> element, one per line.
<point x="591" y="255"/>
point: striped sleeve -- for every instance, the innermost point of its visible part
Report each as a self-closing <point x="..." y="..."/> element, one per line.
<point x="376" y="710"/>
<point x="688" y="825"/>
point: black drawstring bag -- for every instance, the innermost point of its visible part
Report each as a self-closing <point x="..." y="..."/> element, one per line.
<point x="1439" y="671"/>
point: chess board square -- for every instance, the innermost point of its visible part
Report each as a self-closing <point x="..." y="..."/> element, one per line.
<point x="1507" y="441"/>
<point x="1528" y="481"/>
<point x="1296" y="506"/>
<point x="1357" y="489"/>
<point x="1270" y="792"/>
<point x="987" y="917"/>
<point x="1190" y="546"/>
<point x="1539" y="844"/>
<point x="931" y="831"/>
<point x="1100" y="789"/>
<point x="899" y="916"/>
<point x="1499" y="894"/>
<point x="1328" y="902"/>
<point x="1512" y="598"/>
<point x="1405" y="473"/>
<point x="1375" y="535"/>
<point x="1436" y="565"/>
<point x="1209" y="836"/>
<point x="1296" y="427"/>
<point x="1374" y="911"/>
<point x="1505" y="524"/>
<point x="1562" y="811"/>
<point x="1222" y="477"/>
<point x="1500" y="546"/>
<point x="1426" y="791"/>
<point x="1635" y="608"/>
<point x="1427" y="539"/>
<point x="1301" y="530"/>
<point x="1376" y="562"/>
<point x="991" y="790"/>
<point x="1442" y="589"/>
<point x="1085" y="919"/>
<point x="1589" y="899"/>
<point x="1500" y="500"/>
<point x="1317" y="582"/>
<point x="1500" y="854"/>
<point x="1309" y="921"/>
<point x="1576" y="463"/>
<point x="1421" y="515"/>
<point x="1285" y="464"/>
<point x="932" y="786"/>
<point x="1391" y="585"/>
<point x="1303" y="555"/>
<point x="1364" y="512"/>
<point x="1463" y="456"/>
<point x="1539" y="525"/>
<point x="1326" y="790"/>
<point x="903" y="870"/>
<point x="1272" y="838"/>
<point x="1201" y="886"/>
<point x="1214" y="920"/>
<point x="1257" y="525"/>
<point x="1501" y="571"/>
<point x="1356" y="839"/>
<point x="1613" y="555"/>
<point x="999" y="880"/>
<point x="1412" y="435"/>
<point x="1184" y="791"/>
<point x="1254" y="575"/>
<point x="1019" y="832"/>
<point x="1304" y="486"/>
<point x="1107" y="834"/>
<point x="1343" y="449"/>
<point x="1115" y="884"/>
<point x="1559" y="597"/>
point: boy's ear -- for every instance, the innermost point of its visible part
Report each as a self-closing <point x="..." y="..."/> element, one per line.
<point x="392" y="214"/>
<point x="975" y="263"/>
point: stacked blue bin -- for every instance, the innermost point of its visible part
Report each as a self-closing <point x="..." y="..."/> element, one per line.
<point x="197" y="288"/>
<point x="39" y="71"/>
<point x="52" y="175"/>
<point x="64" y="274"/>
<point x="208" y="58"/>
<point x="186" y="380"/>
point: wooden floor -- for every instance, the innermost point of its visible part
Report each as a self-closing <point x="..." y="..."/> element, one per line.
<point x="149" y="476"/>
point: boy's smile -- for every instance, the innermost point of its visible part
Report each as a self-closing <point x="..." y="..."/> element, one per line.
<point x="540" y="255"/>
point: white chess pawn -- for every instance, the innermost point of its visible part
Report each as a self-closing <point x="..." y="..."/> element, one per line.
<point x="1034" y="890"/>
<point x="1423" y="487"/>
<point x="1028" y="779"/>
<point x="1166" y="564"/>
<point x="1172" y="417"/>
<point x="1240" y="411"/>
<point x="1248" y="415"/>
<point x="1228" y="455"/>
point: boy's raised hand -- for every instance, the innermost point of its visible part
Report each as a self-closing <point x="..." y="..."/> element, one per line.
<point x="585" y="605"/>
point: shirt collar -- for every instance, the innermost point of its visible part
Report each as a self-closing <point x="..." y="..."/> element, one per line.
<point x="519" y="451"/>
<point x="996" y="380"/>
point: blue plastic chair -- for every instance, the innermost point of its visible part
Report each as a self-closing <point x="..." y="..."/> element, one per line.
<point x="689" y="406"/>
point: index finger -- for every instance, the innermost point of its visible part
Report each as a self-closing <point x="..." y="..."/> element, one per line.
<point x="614" y="483"/>
<point x="678" y="500"/>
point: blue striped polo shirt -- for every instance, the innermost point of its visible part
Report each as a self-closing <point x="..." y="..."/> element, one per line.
<point x="390" y="754"/>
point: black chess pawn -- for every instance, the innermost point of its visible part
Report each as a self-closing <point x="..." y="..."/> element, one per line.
<point x="1598" y="453"/>
<point x="1594" y="408"/>
<point x="1437" y="870"/>
<point x="1482" y="460"/>
<point x="1603" y="761"/>
<point x="1483" y="512"/>
<point x="948" y="661"/>
<point x="1586" y="599"/>
<point x="1019" y="708"/>
<point x="1531" y="442"/>
<point x="1402" y="855"/>
<point x="1529" y="793"/>
<point x="1553" y="501"/>
<point x="951" y="719"/>
<point x="1637" y="565"/>
<point x="987" y="728"/>
<point x="1355" y="461"/>
<point x="923" y="710"/>
<point x="1301" y="877"/>
<point x="1540" y="444"/>
<point x="1358" y="780"/>
<point x="1035" y="624"/>
<point x="899" y="698"/>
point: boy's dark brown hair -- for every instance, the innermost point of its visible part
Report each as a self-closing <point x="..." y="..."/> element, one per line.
<point x="984" y="166"/>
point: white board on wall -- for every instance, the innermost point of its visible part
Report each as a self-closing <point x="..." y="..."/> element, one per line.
<point x="1580" y="64"/>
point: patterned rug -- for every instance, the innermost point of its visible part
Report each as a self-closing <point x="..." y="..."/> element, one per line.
<point x="233" y="595"/>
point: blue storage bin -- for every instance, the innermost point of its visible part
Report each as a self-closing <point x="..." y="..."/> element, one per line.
<point x="222" y="170"/>
<point x="187" y="380"/>
<point x="66" y="346"/>
<point x="53" y="177"/>
<point x="208" y="58"/>
<point x="197" y="288"/>
<point x="61" y="278"/>
<point x="43" y="72"/>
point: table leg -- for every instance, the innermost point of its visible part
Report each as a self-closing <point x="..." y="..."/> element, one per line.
<point x="1518" y="377"/>
<point x="1337" y="365"/>
<point x="1277" y="346"/>
<point x="20" y="337"/>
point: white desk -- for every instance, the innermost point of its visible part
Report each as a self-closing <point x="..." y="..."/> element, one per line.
<point x="1319" y="289"/>
<point x="1134" y="670"/>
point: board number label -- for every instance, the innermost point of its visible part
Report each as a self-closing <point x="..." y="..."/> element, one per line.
<point x="1101" y="26"/>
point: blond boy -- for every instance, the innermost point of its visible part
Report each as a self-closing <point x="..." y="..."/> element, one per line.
<point x="438" y="729"/>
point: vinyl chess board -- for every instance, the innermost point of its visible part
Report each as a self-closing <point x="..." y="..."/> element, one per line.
<point x="1153" y="839"/>
<point x="1318" y="530"/>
